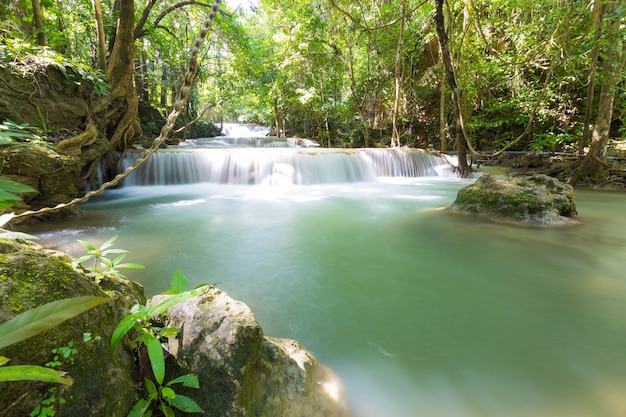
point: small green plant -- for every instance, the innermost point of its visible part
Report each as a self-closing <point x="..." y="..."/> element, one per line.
<point x="63" y="355"/>
<point x="9" y="190"/>
<point x="144" y="321"/>
<point x="47" y="406"/>
<point x="33" y="322"/>
<point x="103" y="266"/>
<point x="23" y="134"/>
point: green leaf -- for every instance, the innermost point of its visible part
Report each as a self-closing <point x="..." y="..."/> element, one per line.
<point x="179" y="282"/>
<point x="153" y="394"/>
<point x="169" y="332"/>
<point x="167" y="411"/>
<point x="167" y="392"/>
<point x="8" y="196"/>
<point x="130" y="265"/>
<point x="186" y="404"/>
<point x="157" y="358"/>
<point x="114" y="251"/>
<point x="108" y="243"/>
<point x="107" y="262"/>
<point x="45" y="317"/>
<point x="87" y="246"/>
<point x="83" y="259"/>
<point x="121" y="329"/>
<point x="3" y="360"/>
<point x="32" y="373"/>
<point x="140" y="409"/>
<point x="189" y="380"/>
<point x="15" y="187"/>
<point x="17" y="235"/>
<point x="172" y="301"/>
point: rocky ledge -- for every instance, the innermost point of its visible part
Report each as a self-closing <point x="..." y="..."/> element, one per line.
<point x="241" y="372"/>
<point x="538" y="199"/>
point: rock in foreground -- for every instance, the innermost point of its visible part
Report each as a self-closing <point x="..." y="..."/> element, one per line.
<point x="242" y="372"/>
<point x="531" y="199"/>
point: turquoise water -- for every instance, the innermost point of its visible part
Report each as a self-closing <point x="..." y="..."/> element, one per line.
<point x="420" y="312"/>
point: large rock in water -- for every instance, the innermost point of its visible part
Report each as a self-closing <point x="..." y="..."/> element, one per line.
<point x="241" y="372"/>
<point x="31" y="276"/>
<point x="532" y="199"/>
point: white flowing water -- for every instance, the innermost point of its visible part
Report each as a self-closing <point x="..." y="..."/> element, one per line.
<point x="282" y="166"/>
<point x="420" y="312"/>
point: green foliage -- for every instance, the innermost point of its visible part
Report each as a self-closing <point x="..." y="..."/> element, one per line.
<point x="550" y="141"/>
<point x="12" y="134"/>
<point x="8" y="197"/>
<point x="103" y="266"/>
<point x="45" y="317"/>
<point x="63" y="355"/>
<point x="36" y="321"/>
<point x="143" y="320"/>
<point x="25" y="58"/>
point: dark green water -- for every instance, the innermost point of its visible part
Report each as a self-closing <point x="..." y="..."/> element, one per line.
<point x="420" y="312"/>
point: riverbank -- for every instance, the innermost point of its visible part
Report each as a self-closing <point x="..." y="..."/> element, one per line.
<point x="559" y="165"/>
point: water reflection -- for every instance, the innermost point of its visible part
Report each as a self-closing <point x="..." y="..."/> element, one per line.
<point x="421" y="312"/>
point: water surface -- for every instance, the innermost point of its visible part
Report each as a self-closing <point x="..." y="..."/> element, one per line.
<point x="421" y="312"/>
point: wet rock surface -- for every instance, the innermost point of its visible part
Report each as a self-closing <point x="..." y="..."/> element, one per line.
<point x="537" y="199"/>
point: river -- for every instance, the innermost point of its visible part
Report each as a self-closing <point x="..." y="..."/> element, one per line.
<point x="421" y="312"/>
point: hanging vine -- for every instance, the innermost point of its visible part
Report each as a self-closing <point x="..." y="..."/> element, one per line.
<point x="183" y="96"/>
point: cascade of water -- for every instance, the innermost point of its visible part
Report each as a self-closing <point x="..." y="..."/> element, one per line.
<point x="281" y="166"/>
<point x="237" y="130"/>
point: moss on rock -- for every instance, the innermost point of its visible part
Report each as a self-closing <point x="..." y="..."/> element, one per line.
<point x="31" y="276"/>
<point x="532" y="199"/>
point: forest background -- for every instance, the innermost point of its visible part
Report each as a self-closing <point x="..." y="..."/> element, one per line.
<point x="475" y="77"/>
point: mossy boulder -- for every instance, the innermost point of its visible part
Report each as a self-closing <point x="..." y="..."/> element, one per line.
<point x="31" y="276"/>
<point x="531" y="199"/>
<point x="55" y="176"/>
<point x="241" y="371"/>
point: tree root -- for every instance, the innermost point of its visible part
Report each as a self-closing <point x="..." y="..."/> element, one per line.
<point x="73" y="145"/>
<point x="183" y="97"/>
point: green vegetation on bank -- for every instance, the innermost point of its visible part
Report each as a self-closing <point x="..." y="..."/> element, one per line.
<point x="448" y="74"/>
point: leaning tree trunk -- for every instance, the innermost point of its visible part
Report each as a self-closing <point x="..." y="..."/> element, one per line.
<point x="461" y="145"/>
<point x="38" y="23"/>
<point x="395" y="135"/>
<point x="595" y="162"/>
<point x="102" y="49"/>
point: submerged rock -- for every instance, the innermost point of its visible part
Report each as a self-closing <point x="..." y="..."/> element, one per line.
<point x="532" y="199"/>
<point x="243" y="373"/>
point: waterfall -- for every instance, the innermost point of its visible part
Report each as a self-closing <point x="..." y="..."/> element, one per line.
<point x="281" y="166"/>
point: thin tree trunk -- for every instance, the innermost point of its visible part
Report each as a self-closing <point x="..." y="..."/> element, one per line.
<point x="461" y="145"/>
<point x="102" y="49"/>
<point x="595" y="162"/>
<point x="591" y="85"/>
<point x="163" y="86"/>
<point x="395" y="135"/>
<point x="38" y="23"/>
<point x="443" y="120"/>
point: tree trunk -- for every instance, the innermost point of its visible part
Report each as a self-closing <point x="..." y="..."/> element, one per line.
<point x="591" y="84"/>
<point x="443" y="120"/>
<point x="595" y="162"/>
<point x="395" y="135"/>
<point x="102" y="49"/>
<point x="38" y="23"/>
<point x="461" y="145"/>
<point x="120" y="75"/>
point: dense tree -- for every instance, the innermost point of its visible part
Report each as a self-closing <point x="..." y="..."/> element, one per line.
<point x="488" y="76"/>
